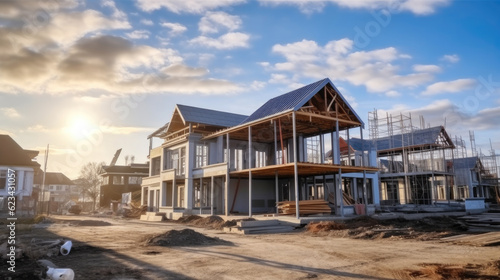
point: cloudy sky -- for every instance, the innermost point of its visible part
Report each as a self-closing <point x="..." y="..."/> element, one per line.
<point x="89" y="77"/>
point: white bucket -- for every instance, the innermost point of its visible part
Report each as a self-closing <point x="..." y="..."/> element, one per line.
<point x="60" y="273"/>
<point x="66" y="247"/>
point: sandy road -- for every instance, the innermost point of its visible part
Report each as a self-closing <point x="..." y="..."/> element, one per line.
<point x="116" y="252"/>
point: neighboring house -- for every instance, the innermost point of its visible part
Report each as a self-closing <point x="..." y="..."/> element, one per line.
<point x="471" y="179"/>
<point x="13" y="157"/>
<point x="413" y="166"/>
<point x="60" y="187"/>
<point x="118" y="179"/>
<point x="215" y="162"/>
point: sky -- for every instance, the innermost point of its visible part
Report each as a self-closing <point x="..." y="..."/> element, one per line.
<point x="90" y="77"/>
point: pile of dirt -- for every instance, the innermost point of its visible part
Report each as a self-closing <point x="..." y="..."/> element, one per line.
<point x="88" y="223"/>
<point x="449" y="271"/>
<point x="324" y="226"/>
<point x="430" y="228"/>
<point x="185" y="237"/>
<point x="210" y="222"/>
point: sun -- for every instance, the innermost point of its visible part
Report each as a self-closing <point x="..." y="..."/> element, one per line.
<point x="79" y="126"/>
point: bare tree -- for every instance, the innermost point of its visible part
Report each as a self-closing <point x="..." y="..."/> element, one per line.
<point x="91" y="180"/>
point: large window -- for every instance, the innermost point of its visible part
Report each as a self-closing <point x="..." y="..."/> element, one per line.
<point x="134" y="180"/>
<point x="118" y="180"/>
<point x="176" y="159"/>
<point x="201" y="155"/>
<point x="260" y="159"/>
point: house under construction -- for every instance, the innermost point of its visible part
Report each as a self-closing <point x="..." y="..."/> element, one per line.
<point x="414" y="162"/>
<point x="213" y="162"/>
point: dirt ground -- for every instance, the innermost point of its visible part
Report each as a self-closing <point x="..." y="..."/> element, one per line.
<point x="117" y="248"/>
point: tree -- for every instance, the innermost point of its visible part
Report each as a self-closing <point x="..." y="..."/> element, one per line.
<point x="91" y="180"/>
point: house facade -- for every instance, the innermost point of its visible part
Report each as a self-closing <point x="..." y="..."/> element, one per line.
<point x="23" y="165"/>
<point x="60" y="188"/>
<point x="472" y="179"/>
<point x="213" y="162"/>
<point x="119" y="179"/>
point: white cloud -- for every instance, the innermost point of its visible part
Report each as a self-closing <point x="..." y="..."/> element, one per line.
<point x="258" y="85"/>
<point x="37" y="128"/>
<point x="450" y="86"/>
<point x="185" y="6"/>
<point x="452" y="58"/>
<point x="417" y="7"/>
<point x="213" y="22"/>
<point x="147" y="22"/>
<point x="227" y="41"/>
<point x="377" y="70"/>
<point x="175" y="28"/>
<point x="138" y="34"/>
<point x="426" y="68"/>
<point x="10" y="113"/>
<point x="392" y="93"/>
<point x="179" y="70"/>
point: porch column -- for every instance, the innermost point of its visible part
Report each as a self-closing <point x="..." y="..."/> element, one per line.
<point x="277" y="190"/>
<point x="212" y="195"/>
<point x="201" y="192"/>
<point x="250" y="171"/>
<point x="295" y="167"/>
<point x="365" y="196"/>
<point x="174" y="191"/>
<point x="275" y="144"/>
<point x="228" y="169"/>
<point x="349" y="148"/>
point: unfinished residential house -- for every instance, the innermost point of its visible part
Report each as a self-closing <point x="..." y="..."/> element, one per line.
<point x="413" y="162"/>
<point x="213" y="162"/>
<point x="476" y="176"/>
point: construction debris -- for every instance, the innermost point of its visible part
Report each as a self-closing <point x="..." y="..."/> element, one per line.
<point x="306" y="207"/>
<point x="485" y="222"/>
<point x="256" y="227"/>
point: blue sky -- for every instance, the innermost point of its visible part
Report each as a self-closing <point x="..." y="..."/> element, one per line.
<point x="89" y="77"/>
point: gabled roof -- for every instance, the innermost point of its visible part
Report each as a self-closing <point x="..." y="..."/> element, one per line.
<point x="11" y="154"/>
<point x="183" y="115"/>
<point x="422" y="138"/>
<point x="466" y="163"/>
<point x="211" y="117"/>
<point x="52" y="178"/>
<point x="294" y="100"/>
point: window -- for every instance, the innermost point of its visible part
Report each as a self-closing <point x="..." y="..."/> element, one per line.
<point x="3" y="179"/>
<point x="134" y="180"/>
<point x="59" y="188"/>
<point x="155" y="166"/>
<point x="238" y="159"/>
<point x="118" y="180"/>
<point x="105" y="180"/>
<point x="176" y="159"/>
<point x="201" y="155"/>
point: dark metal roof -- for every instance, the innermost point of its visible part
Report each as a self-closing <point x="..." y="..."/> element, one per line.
<point x="11" y="154"/>
<point x="127" y="169"/>
<point x="293" y="100"/>
<point x="211" y="117"/>
<point x="465" y="163"/>
<point x="421" y="137"/>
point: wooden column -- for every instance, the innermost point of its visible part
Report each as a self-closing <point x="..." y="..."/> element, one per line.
<point x="226" y="189"/>
<point x="212" y="196"/>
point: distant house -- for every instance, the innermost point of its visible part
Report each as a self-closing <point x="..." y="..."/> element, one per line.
<point x="471" y="179"/>
<point x="118" y="179"/>
<point x="61" y="189"/>
<point x="13" y="157"/>
<point x="215" y="162"/>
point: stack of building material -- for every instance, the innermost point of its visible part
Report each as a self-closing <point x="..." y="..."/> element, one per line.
<point x="256" y="227"/>
<point x="306" y="207"/>
<point x="484" y="239"/>
<point x="485" y="222"/>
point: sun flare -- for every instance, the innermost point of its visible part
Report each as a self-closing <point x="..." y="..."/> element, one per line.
<point x="79" y="127"/>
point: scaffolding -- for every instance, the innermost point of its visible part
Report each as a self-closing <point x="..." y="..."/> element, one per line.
<point x="412" y="160"/>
